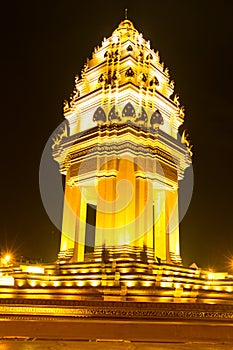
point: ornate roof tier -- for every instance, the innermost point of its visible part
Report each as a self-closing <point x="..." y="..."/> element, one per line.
<point x="124" y="75"/>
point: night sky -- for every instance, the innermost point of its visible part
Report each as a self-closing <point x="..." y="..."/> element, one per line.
<point x="45" y="43"/>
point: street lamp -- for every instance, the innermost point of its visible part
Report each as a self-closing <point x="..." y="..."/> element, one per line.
<point x="6" y="259"/>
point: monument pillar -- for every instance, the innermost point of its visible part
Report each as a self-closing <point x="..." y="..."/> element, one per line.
<point x="160" y="240"/>
<point x="172" y="221"/>
<point x="125" y="203"/>
<point x="70" y="207"/>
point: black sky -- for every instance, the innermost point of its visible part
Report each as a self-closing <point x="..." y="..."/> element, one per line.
<point x="45" y="43"/>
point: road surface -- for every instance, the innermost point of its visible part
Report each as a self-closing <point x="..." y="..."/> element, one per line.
<point x="34" y="344"/>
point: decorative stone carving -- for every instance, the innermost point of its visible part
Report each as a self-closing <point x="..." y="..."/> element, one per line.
<point x="142" y="117"/>
<point x="184" y="140"/>
<point x="62" y="133"/>
<point x="129" y="73"/>
<point x="99" y="116"/>
<point x="156" y="119"/>
<point x="113" y="115"/>
<point x="128" y="113"/>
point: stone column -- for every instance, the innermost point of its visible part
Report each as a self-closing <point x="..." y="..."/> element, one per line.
<point x="160" y="240"/>
<point x="148" y="214"/>
<point x="80" y="228"/>
<point x="125" y="203"/>
<point x="100" y="212"/>
<point x="141" y="199"/>
<point x="71" y="202"/>
<point x="139" y="211"/>
<point x="110" y="197"/>
<point x="172" y="221"/>
<point x="106" y="198"/>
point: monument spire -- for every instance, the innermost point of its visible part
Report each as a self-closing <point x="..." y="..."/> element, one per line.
<point x="126" y="13"/>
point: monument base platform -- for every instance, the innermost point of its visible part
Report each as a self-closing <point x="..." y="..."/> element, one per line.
<point x="126" y="321"/>
<point x="123" y="300"/>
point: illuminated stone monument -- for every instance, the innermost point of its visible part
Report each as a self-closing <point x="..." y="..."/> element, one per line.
<point x="119" y="273"/>
<point x="122" y="155"/>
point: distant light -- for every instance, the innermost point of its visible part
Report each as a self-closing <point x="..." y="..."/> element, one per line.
<point x="7" y="258"/>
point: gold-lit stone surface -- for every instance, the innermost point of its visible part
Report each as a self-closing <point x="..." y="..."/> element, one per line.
<point x="123" y="280"/>
<point x="121" y="300"/>
<point x="116" y="310"/>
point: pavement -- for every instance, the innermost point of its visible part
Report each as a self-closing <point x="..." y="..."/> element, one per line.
<point x="34" y="344"/>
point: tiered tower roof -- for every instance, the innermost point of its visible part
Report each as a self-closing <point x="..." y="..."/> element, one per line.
<point x="124" y="70"/>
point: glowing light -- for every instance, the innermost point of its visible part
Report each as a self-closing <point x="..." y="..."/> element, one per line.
<point x="125" y="270"/>
<point x="56" y="284"/>
<point x="20" y="283"/>
<point x="80" y="283"/>
<point x="7" y="281"/>
<point x="94" y="283"/>
<point x="206" y="287"/>
<point x="95" y="270"/>
<point x="32" y="269"/>
<point x="33" y="283"/>
<point x="218" y="288"/>
<point x="147" y="283"/>
<point x="217" y="275"/>
<point x="166" y="284"/>
<point x="131" y="283"/>
<point x="8" y="258"/>
<point x="68" y="284"/>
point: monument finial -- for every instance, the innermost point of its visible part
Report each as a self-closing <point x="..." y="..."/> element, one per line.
<point x="126" y="13"/>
